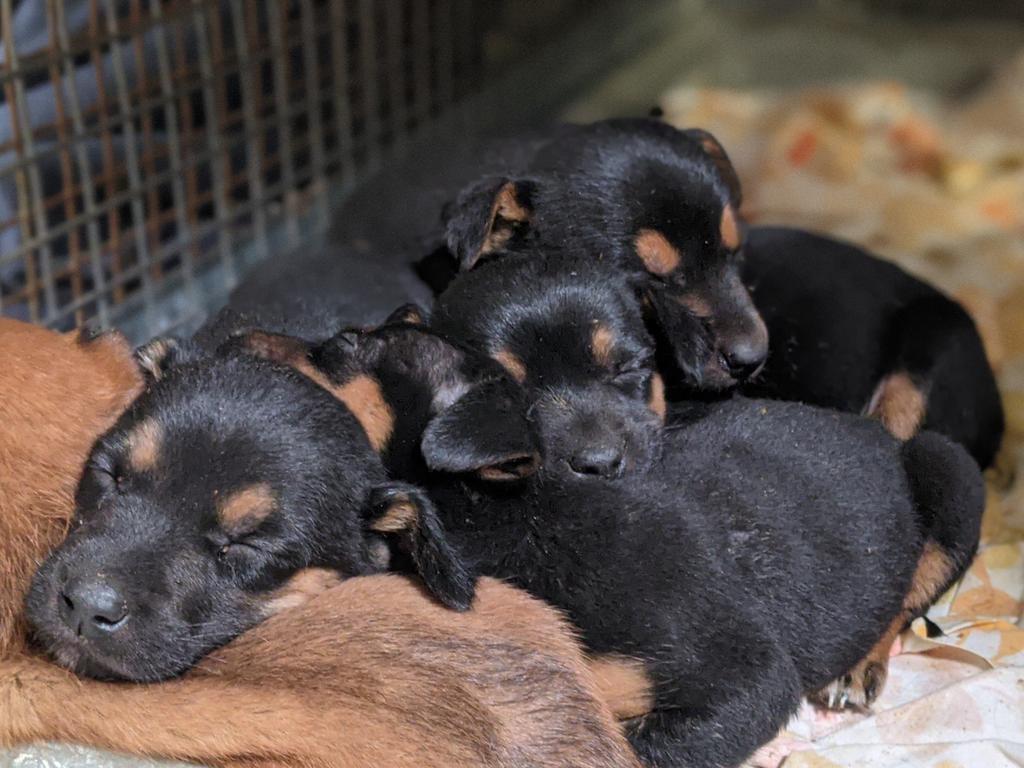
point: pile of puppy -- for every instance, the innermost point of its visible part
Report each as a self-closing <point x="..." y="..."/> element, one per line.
<point x="638" y="462"/>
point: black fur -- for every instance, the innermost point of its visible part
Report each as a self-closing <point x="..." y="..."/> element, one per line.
<point x="838" y="319"/>
<point x="543" y="312"/>
<point x="150" y="539"/>
<point x="593" y="189"/>
<point x="841" y="319"/>
<point x="762" y="553"/>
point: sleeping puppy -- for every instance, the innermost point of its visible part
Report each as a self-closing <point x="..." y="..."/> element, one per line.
<point x="570" y="329"/>
<point x="572" y="332"/>
<point x="227" y="478"/>
<point x="653" y="200"/>
<point x="847" y="330"/>
<point x="856" y="333"/>
<point x="714" y="611"/>
<point x="345" y="672"/>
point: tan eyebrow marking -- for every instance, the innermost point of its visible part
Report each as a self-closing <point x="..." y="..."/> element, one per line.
<point x="656" y="401"/>
<point x="515" y="367"/>
<point x="729" y="229"/>
<point x="602" y="341"/>
<point x="144" y="443"/>
<point x="658" y="255"/>
<point x="251" y="504"/>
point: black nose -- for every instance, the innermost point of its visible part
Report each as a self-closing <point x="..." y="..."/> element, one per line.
<point x="745" y="358"/>
<point x="93" y="607"/>
<point x="602" y="460"/>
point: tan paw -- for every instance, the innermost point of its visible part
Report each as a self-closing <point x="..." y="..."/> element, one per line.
<point x="857" y="689"/>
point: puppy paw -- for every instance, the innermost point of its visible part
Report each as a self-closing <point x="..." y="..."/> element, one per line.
<point x="857" y="689"/>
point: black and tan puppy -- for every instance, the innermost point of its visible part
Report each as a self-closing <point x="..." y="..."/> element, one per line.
<point x="653" y="200"/>
<point x="716" y="611"/>
<point x="853" y="332"/>
<point x="847" y="330"/>
<point x="572" y="332"/>
<point x="225" y="479"/>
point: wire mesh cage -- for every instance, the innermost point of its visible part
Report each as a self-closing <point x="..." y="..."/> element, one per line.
<point x="145" y="142"/>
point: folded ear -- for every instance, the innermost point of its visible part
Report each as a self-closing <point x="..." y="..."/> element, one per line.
<point x="407" y="314"/>
<point x="406" y="513"/>
<point x="713" y="149"/>
<point x="486" y="215"/>
<point x="157" y="357"/>
<point x="276" y="347"/>
<point x="678" y="327"/>
<point x="486" y="432"/>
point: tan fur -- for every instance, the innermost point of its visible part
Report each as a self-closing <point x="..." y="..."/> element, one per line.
<point x="151" y="356"/>
<point x="659" y="256"/>
<point x="370" y="672"/>
<point x="934" y="570"/>
<point x="512" y="364"/>
<point x="144" y="443"/>
<point x="696" y="303"/>
<point x="300" y="589"/>
<point x="362" y="394"/>
<point x="400" y="516"/>
<point x="867" y="678"/>
<point x="506" y="208"/>
<point x="728" y="229"/>
<point x="365" y="399"/>
<point x="656" y="402"/>
<point x="602" y="342"/>
<point x="624" y="684"/>
<point x="57" y="394"/>
<point x="248" y="507"/>
<point x="899" y="404"/>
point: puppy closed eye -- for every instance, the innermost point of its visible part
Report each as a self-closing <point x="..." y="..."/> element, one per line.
<point x="108" y="474"/>
<point x="227" y="549"/>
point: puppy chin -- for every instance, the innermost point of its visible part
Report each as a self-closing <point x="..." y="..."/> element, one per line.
<point x="72" y="653"/>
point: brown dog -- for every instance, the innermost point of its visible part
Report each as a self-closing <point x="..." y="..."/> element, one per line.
<point x="368" y="672"/>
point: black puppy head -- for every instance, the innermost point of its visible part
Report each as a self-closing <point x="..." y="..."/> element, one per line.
<point x="572" y="334"/>
<point x="231" y="489"/>
<point x="433" y="406"/>
<point x="654" y="200"/>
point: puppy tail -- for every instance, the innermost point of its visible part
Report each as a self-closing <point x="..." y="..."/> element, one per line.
<point x="949" y="495"/>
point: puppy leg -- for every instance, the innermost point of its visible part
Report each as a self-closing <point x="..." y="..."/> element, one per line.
<point x="949" y="497"/>
<point x="720" y="709"/>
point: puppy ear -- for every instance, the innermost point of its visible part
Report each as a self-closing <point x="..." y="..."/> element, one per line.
<point x="713" y="149"/>
<point x="276" y="347"/>
<point x="407" y="314"/>
<point x="676" y="326"/>
<point x="485" y="431"/>
<point x="158" y="356"/>
<point x="405" y="512"/>
<point x="486" y="215"/>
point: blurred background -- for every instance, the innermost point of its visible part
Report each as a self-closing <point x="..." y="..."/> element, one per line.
<point x="152" y="152"/>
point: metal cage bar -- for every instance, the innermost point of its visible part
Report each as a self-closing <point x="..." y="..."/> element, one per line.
<point x="151" y="149"/>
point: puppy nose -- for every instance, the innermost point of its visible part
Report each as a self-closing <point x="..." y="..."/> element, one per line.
<point x="745" y="357"/>
<point x="93" y="607"/>
<point x="602" y="460"/>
